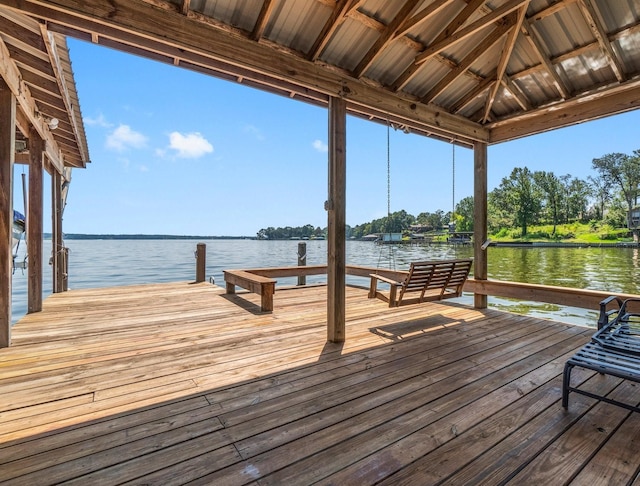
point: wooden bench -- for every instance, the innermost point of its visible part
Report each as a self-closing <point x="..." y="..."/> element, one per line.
<point x="614" y="350"/>
<point x="264" y="286"/>
<point x="262" y="280"/>
<point x="434" y="280"/>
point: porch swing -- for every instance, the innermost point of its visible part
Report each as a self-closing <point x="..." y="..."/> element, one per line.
<point x="432" y="280"/>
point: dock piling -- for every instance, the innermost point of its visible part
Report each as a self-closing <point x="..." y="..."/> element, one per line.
<point x="201" y="262"/>
<point x="302" y="261"/>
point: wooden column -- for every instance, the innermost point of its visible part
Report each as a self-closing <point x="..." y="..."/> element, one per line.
<point x="7" y="155"/>
<point x="34" y="222"/>
<point x="56" y="232"/>
<point x="480" y="219"/>
<point x="336" y="247"/>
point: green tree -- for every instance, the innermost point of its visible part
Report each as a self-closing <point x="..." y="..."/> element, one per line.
<point x="624" y="171"/>
<point x="552" y="189"/>
<point x="464" y="214"/>
<point x="578" y="199"/>
<point x="601" y="192"/>
<point x="519" y="196"/>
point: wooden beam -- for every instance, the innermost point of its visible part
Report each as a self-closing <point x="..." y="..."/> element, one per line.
<point x="56" y="233"/>
<point x="63" y="88"/>
<point x="164" y="31"/>
<point x="604" y="102"/>
<point x="336" y="245"/>
<point x="538" y="48"/>
<point x="7" y="151"/>
<point x="422" y="16"/>
<point x="482" y="86"/>
<point x="263" y="18"/>
<point x="184" y="8"/>
<point x="553" y="8"/>
<point x="388" y="36"/>
<point x="34" y="222"/>
<point x="494" y="36"/>
<point x="11" y="74"/>
<point x="590" y="12"/>
<point x="336" y="18"/>
<point x="457" y="22"/>
<point x="504" y="58"/>
<point x="469" y="30"/>
<point x="480" y="219"/>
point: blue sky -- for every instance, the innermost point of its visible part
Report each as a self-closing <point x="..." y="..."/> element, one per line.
<point x="177" y="152"/>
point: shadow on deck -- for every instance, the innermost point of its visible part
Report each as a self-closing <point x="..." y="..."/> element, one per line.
<point x="172" y="383"/>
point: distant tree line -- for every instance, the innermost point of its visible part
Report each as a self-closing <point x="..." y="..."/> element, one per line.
<point x="522" y="199"/>
<point x="306" y="231"/>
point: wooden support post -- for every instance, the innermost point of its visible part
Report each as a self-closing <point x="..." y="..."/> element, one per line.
<point x="201" y="262"/>
<point x="480" y="219"/>
<point x="56" y="232"/>
<point x="7" y="156"/>
<point x="34" y="222"/>
<point x="302" y="261"/>
<point x="336" y="247"/>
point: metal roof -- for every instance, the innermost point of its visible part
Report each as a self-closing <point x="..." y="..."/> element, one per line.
<point x="36" y="62"/>
<point x="460" y="70"/>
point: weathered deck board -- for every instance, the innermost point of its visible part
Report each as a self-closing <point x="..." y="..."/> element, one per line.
<point x="171" y="383"/>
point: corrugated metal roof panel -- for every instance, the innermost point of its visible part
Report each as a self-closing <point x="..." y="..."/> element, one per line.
<point x="241" y="14"/>
<point x="349" y="44"/>
<point x="296" y="26"/>
<point x="391" y="63"/>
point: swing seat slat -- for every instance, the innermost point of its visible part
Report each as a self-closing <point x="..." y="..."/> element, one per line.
<point x="433" y="280"/>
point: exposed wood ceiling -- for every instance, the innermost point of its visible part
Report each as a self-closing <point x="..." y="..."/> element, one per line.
<point x="35" y="64"/>
<point x="459" y="70"/>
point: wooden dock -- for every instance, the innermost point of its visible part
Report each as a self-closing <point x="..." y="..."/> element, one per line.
<point x="178" y="383"/>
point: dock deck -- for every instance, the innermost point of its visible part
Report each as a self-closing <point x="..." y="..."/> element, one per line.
<point x="178" y="383"/>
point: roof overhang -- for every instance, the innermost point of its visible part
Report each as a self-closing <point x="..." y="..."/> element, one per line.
<point x="462" y="71"/>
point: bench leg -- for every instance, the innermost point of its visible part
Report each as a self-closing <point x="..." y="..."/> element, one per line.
<point x="266" y="297"/>
<point x="373" y="288"/>
<point x="392" y="296"/>
<point x="231" y="288"/>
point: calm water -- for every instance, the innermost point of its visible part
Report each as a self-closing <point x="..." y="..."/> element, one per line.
<point x="105" y="263"/>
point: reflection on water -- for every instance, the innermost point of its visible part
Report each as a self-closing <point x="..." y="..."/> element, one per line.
<point x="103" y="263"/>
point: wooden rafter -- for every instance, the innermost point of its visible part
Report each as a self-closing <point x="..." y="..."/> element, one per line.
<point x="494" y="36"/>
<point x="11" y="74"/>
<point x="386" y="38"/>
<point x="422" y="16"/>
<point x="602" y="102"/>
<point x="552" y="9"/>
<point x="61" y="81"/>
<point x="482" y="86"/>
<point x="590" y="12"/>
<point x="469" y="30"/>
<point x="457" y="22"/>
<point x="184" y="8"/>
<point x="263" y="18"/>
<point x="340" y="12"/>
<point x="517" y="93"/>
<point x="538" y="48"/>
<point x="504" y="58"/>
<point x="175" y="36"/>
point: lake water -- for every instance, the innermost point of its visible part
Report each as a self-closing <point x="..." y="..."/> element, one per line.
<point x="107" y="263"/>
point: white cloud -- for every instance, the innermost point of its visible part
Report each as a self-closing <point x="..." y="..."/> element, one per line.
<point x="99" y="121"/>
<point x="189" y="146"/>
<point x="320" y="146"/>
<point x="124" y="137"/>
